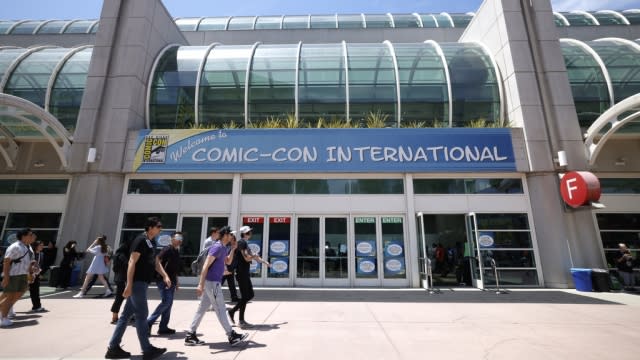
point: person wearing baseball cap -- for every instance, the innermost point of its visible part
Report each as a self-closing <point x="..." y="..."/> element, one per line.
<point x="243" y="274"/>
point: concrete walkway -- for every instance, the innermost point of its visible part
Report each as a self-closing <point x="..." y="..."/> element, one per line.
<point x="314" y="324"/>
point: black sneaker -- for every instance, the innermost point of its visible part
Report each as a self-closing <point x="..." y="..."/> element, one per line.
<point x="117" y="353"/>
<point x="235" y="338"/>
<point x="167" y="331"/>
<point x="192" y="340"/>
<point x="153" y="353"/>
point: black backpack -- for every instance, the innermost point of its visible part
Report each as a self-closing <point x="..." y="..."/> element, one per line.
<point x="120" y="259"/>
<point x="198" y="263"/>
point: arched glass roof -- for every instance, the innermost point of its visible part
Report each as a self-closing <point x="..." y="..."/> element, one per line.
<point x="447" y="84"/>
<point x="51" y="78"/>
<point x="23" y="27"/>
<point x="601" y="73"/>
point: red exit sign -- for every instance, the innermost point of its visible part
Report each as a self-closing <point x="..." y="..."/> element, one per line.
<point x="253" y="220"/>
<point x="280" y="220"/>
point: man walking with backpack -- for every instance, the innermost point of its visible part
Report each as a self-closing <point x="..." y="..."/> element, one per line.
<point x="119" y="263"/>
<point x="169" y="259"/>
<point x="140" y="272"/>
<point x="210" y="289"/>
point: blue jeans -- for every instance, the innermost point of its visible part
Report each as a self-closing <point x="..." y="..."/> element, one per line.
<point x="164" y="308"/>
<point x="136" y="305"/>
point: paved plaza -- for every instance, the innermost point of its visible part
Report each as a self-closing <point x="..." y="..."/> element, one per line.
<point x="333" y="324"/>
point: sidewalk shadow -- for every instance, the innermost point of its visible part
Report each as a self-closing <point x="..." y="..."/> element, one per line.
<point x="21" y="324"/>
<point x="264" y="327"/>
<point x="27" y="316"/>
<point x="180" y="355"/>
<point x="224" y="347"/>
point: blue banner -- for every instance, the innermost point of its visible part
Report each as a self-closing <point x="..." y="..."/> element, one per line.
<point x="255" y="246"/>
<point x="278" y="247"/>
<point x="394" y="265"/>
<point x="366" y="265"/>
<point x="365" y="248"/>
<point x="325" y="150"/>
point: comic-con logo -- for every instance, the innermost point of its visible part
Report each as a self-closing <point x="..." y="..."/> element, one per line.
<point x="155" y="148"/>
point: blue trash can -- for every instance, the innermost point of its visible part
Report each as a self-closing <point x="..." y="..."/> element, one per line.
<point x="75" y="276"/>
<point x="582" y="279"/>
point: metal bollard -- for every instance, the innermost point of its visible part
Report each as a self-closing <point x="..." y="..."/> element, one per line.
<point x="495" y="272"/>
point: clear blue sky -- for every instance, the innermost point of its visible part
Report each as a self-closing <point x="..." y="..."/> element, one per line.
<point x="90" y="9"/>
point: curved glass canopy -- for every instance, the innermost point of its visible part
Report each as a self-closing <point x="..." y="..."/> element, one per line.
<point x="310" y="84"/>
<point x="24" y="27"/>
<point x="602" y="73"/>
<point x="51" y="78"/>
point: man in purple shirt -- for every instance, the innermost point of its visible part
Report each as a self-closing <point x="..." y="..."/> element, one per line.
<point x="210" y="288"/>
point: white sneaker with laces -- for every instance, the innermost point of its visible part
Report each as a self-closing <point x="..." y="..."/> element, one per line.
<point x="12" y="314"/>
<point x="107" y="293"/>
<point x="79" y="295"/>
<point x="6" y="322"/>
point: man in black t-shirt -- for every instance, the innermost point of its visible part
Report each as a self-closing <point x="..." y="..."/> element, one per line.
<point x="169" y="259"/>
<point x="140" y="272"/>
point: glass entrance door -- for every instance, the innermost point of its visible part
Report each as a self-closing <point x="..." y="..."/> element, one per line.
<point x="474" y="258"/>
<point x="321" y="251"/>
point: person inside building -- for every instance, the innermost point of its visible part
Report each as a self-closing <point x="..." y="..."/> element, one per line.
<point x="624" y="263"/>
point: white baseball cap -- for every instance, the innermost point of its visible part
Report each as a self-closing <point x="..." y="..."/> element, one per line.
<point x="245" y="229"/>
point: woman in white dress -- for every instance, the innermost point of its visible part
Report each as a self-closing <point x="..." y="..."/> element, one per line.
<point x="98" y="266"/>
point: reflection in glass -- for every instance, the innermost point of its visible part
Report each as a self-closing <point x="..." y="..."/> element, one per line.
<point x="66" y="94"/>
<point x="308" y="243"/>
<point x="335" y="249"/>
<point x="280" y="264"/>
<point x="366" y="259"/>
<point x="393" y="248"/>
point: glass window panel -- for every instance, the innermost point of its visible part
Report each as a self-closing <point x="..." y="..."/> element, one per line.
<point x="33" y="220"/>
<point x="366" y="260"/>
<point x="317" y="186"/>
<point x="372" y="84"/>
<point x="31" y="77"/>
<point x="393" y="247"/>
<point x="272" y="82"/>
<point x="26" y="27"/>
<point x="559" y="20"/>
<point x="618" y="221"/>
<point x="295" y="22"/>
<point x="620" y="186"/>
<point x="257" y="239"/>
<point x="308" y="243"/>
<point x="377" y="186"/>
<point x="494" y="186"/>
<point x="173" y="88"/>
<point x="137" y="220"/>
<point x="267" y="186"/>
<point x="323" y="22"/>
<point x="439" y="186"/>
<point x="8" y="187"/>
<point x="508" y="258"/>
<point x="588" y="85"/>
<point x="350" y="21"/>
<point x="336" y="249"/>
<point x="474" y="86"/>
<point x="79" y="27"/>
<point x="428" y="21"/>
<point x="154" y="186"/>
<point x="377" y="21"/>
<point x="322" y="83"/>
<point x="5" y="25"/>
<point x="190" y="248"/>
<point x="241" y="23"/>
<point x="510" y="239"/>
<point x="611" y="239"/>
<point x="443" y="20"/>
<point x="207" y="186"/>
<point x="41" y="186"/>
<point x="461" y="20"/>
<point x="512" y="277"/>
<point x="66" y="95"/>
<point x="502" y="221"/>
<point x="605" y="18"/>
<point x="94" y="29"/>
<point x="622" y="61"/>
<point x="423" y="85"/>
<point x="53" y="27"/>
<point x="7" y="56"/>
<point x="280" y="233"/>
<point x="213" y="23"/>
<point x="405" y="21"/>
<point x="187" y="24"/>
<point x="268" y="22"/>
<point x="633" y="16"/>
<point x="578" y="19"/>
<point x="222" y="87"/>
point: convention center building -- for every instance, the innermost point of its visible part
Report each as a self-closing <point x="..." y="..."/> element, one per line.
<point x="364" y="150"/>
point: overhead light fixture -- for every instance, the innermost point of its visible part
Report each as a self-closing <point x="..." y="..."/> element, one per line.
<point x="562" y="158"/>
<point x="38" y="164"/>
<point x="91" y="155"/>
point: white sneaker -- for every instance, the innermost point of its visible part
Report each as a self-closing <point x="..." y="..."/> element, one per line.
<point x="6" y="322"/>
<point x="79" y="295"/>
<point x="11" y="314"/>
